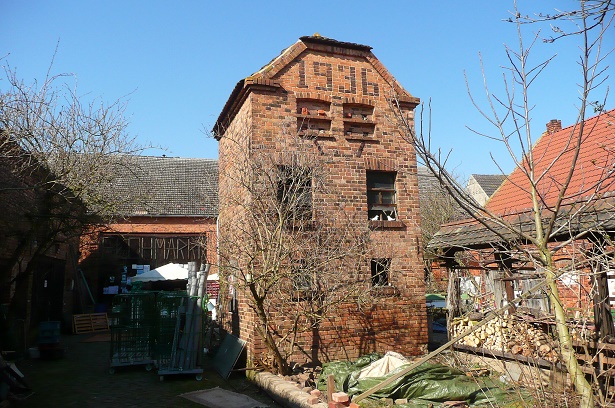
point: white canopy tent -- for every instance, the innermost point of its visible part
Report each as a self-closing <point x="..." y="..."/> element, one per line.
<point x="171" y="271"/>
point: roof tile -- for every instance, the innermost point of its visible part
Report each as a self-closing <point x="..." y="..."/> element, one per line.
<point x="168" y="186"/>
<point x="553" y="154"/>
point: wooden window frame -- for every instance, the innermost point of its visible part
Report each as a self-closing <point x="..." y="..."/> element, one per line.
<point x="378" y="210"/>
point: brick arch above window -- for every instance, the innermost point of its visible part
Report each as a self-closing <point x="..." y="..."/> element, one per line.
<point x="377" y="164"/>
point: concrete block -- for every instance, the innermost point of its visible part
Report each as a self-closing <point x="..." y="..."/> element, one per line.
<point x="312" y="400"/>
<point x="316" y="393"/>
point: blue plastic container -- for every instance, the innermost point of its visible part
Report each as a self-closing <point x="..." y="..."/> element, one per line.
<point x="49" y="332"/>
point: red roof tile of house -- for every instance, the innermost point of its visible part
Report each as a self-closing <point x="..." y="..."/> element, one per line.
<point x="553" y="154"/>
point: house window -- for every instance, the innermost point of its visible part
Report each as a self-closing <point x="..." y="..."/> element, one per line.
<point x="301" y="276"/>
<point x="295" y="192"/>
<point x="381" y="197"/>
<point x="380" y="272"/>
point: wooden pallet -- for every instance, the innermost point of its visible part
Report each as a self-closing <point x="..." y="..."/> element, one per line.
<point x="90" y="322"/>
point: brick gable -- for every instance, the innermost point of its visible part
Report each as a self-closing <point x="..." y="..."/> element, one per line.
<point x="335" y="96"/>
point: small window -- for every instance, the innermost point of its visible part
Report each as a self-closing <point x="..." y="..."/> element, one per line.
<point x="295" y="192"/>
<point x="380" y="272"/>
<point x="381" y="196"/>
<point x="301" y="276"/>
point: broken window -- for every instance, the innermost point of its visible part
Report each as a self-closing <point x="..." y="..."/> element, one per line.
<point x="295" y="192"/>
<point x="381" y="196"/>
<point x="380" y="271"/>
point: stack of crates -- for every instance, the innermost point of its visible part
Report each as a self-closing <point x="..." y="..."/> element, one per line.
<point x="132" y="322"/>
<point x="179" y="340"/>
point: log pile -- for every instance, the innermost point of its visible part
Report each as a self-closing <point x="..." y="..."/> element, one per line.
<point x="508" y="335"/>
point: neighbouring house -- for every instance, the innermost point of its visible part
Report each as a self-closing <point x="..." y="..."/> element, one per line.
<point x="438" y="208"/>
<point x="482" y="186"/>
<point x="489" y="266"/>
<point x="335" y="98"/>
<point x="170" y="218"/>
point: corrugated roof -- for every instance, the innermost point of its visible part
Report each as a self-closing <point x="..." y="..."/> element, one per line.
<point x="183" y="186"/>
<point x="489" y="182"/>
<point x="470" y="233"/>
<point x="427" y="181"/>
<point x="431" y="189"/>
<point x="168" y="186"/>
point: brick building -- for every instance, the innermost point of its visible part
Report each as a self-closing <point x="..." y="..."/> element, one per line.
<point x="170" y="217"/>
<point x="38" y="247"/>
<point x="330" y="99"/>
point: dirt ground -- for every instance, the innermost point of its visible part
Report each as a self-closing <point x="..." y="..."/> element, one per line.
<point x="81" y="379"/>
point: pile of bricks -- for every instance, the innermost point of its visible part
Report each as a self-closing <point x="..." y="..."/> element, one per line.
<point x="341" y="399"/>
<point x="337" y="400"/>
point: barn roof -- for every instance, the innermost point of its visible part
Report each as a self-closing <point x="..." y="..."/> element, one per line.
<point x="553" y="154"/>
<point x="168" y="186"/>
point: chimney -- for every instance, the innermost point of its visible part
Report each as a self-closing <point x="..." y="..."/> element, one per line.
<point x="554" y="125"/>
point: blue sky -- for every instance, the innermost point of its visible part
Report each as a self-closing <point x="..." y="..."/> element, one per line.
<point x="177" y="62"/>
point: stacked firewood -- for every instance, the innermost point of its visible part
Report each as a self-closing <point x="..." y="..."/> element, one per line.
<point x="507" y="335"/>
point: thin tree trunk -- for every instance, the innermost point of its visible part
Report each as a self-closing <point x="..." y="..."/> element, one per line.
<point x="577" y="377"/>
<point x="266" y="335"/>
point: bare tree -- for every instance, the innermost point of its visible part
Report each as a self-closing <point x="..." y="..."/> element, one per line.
<point x="555" y="223"/>
<point x="294" y="264"/>
<point x="437" y="207"/>
<point x="60" y="157"/>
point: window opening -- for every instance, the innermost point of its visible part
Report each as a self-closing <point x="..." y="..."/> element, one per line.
<point x="380" y="271"/>
<point x="381" y="196"/>
<point x="301" y="276"/>
<point x="295" y="192"/>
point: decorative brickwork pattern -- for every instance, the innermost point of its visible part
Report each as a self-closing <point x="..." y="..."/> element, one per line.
<point x="338" y="75"/>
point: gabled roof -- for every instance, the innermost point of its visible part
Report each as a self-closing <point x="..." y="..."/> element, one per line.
<point x="168" y="186"/>
<point x="553" y="154"/>
<point x="489" y="182"/>
<point x="430" y="190"/>
<point x="469" y="233"/>
<point x="266" y="76"/>
<point x="427" y="181"/>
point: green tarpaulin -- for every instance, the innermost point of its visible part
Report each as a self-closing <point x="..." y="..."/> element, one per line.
<point x="425" y="385"/>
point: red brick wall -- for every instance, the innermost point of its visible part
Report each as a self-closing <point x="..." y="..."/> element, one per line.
<point x="154" y="225"/>
<point x="24" y="252"/>
<point x="166" y="226"/>
<point x="397" y="321"/>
